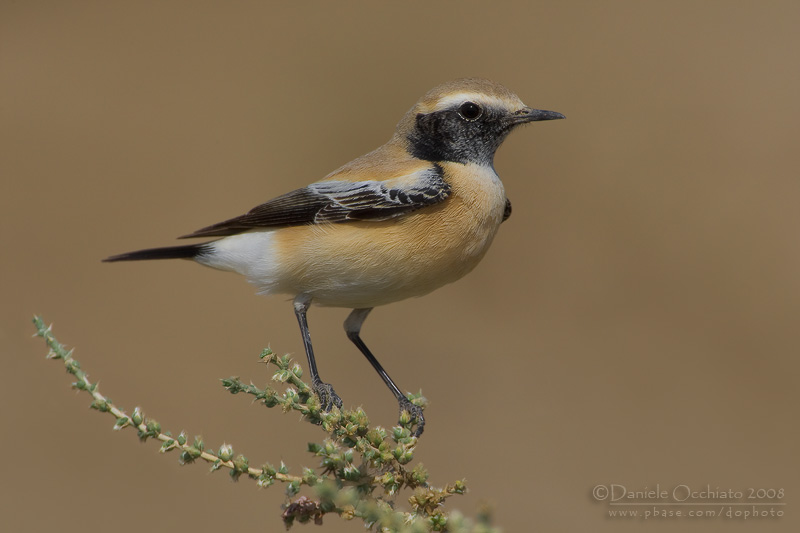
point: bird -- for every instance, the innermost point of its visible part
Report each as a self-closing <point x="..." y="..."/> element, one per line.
<point x="407" y="218"/>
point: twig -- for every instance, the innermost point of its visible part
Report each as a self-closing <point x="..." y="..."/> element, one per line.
<point x="355" y="458"/>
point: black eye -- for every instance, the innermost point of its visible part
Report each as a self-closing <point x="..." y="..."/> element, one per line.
<point x="470" y="110"/>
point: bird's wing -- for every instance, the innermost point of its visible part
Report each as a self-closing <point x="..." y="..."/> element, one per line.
<point x="334" y="201"/>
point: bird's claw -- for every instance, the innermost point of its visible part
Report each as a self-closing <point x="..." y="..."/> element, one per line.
<point x="328" y="399"/>
<point x="415" y="411"/>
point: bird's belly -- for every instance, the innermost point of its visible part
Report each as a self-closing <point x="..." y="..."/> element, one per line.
<point x="366" y="267"/>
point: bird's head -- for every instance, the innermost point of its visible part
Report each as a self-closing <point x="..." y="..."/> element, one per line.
<point x="465" y="121"/>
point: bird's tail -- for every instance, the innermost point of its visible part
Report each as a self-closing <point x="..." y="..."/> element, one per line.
<point x="190" y="251"/>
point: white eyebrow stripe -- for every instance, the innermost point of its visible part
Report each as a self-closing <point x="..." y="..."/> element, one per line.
<point x="458" y="98"/>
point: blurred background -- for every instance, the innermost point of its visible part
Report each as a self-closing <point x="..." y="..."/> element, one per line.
<point x="635" y="322"/>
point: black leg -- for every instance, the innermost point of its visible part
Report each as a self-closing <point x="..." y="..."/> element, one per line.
<point x="327" y="396"/>
<point x="352" y="327"/>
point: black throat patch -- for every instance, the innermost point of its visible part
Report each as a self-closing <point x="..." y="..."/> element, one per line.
<point x="446" y="136"/>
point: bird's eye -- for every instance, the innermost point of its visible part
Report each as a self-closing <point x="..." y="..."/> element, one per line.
<point x="470" y="110"/>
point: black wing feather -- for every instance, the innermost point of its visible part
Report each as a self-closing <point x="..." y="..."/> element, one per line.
<point x="507" y="210"/>
<point x="334" y="202"/>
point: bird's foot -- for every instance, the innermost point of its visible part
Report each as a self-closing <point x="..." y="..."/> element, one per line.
<point x="328" y="399"/>
<point x="414" y="416"/>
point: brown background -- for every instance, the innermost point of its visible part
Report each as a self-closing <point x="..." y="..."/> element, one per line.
<point x="636" y="321"/>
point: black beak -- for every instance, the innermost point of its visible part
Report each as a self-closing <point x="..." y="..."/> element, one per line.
<point x="532" y="115"/>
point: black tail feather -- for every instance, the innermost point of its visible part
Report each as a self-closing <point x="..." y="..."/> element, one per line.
<point x="171" y="252"/>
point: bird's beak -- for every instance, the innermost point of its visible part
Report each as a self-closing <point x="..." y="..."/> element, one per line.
<point x="526" y="114"/>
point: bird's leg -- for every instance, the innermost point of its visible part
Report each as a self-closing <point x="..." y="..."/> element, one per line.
<point x="327" y="396"/>
<point x="352" y="327"/>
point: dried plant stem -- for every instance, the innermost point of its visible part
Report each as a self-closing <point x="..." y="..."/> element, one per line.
<point x="355" y="459"/>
